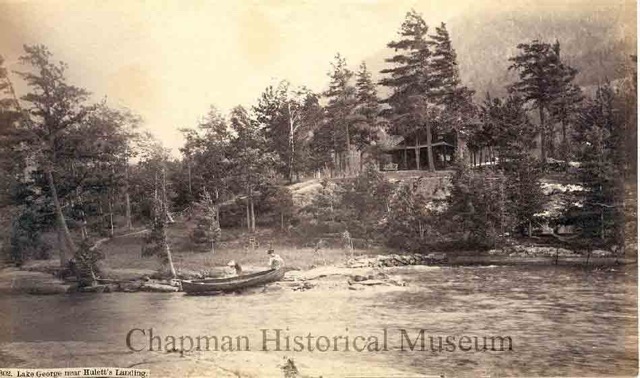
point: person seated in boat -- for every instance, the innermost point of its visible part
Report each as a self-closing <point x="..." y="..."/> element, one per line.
<point x="232" y="269"/>
<point x="275" y="261"/>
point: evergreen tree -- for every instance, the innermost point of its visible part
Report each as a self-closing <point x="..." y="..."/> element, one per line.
<point x="286" y="117"/>
<point x="538" y="66"/>
<point x="477" y="206"/>
<point x="369" y="190"/>
<point x="205" y="215"/>
<point x="599" y="140"/>
<point x="567" y="99"/>
<point x="56" y="109"/>
<point x="251" y="164"/>
<point x="505" y="126"/>
<point x="341" y="101"/>
<point x="447" y="87"/>
<point x="279" y="201"/>
<point x="411" y="101"/>
<point x="411" y="221"/>
<point x="324" y="207"/>
<point x="367" y="108"/>
<point x="156" y="242"/>
<point x="206" y="155"/>
<point x="12" y="157"/>
<point x="523" y="191"/>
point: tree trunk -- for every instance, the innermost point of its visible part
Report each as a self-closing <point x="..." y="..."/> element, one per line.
<point x="432" y="167"/>
<point x="248" y="214"/>
<point x="543" y="135"/>
<point x="167" y="249"/>
<point x="417" y="152"/>
<point x="565" y="142"/>
<point x="602" y="223"/>
<point x="461" y="148"/>
<point x="189" y="177"/>
<point x="61" y="221"/>
<point x="167" y="214"/>
<point x="111" y="227"/>
<point x="253" y="217"/>
<point x="83" y="216"/>
<point x="292" y="147"/>
<point x="127" y="199"/>
<point x="404" y="154"/>
<point x="347" y="162"/>
<point x="217" y="208"/>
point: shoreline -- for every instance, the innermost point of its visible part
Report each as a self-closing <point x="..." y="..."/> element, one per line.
<point x="358" y="272"/>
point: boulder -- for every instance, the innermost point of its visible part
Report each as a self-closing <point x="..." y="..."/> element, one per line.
<point x="601" y="253"/>
<point x="358" y="278"/>
<point x="92" y="289"/>
<point x="158" y="288"/>
<point x="130" y="287"/>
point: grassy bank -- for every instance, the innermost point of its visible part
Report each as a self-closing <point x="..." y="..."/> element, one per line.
<point x="123" y="254"/>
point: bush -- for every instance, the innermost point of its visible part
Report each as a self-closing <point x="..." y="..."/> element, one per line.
<point x="357" y="205"/>
<point x="411" y="223"/>
<point x="26" y="238"/>
<point x="477" y="211"/>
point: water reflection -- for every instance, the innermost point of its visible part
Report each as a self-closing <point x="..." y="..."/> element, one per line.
<point x="562" y="321"/>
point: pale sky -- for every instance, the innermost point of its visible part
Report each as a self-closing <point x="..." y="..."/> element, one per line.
<point x="169" y="60"/>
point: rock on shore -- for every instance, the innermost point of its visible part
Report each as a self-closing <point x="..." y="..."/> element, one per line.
<point x="397" y="260"/>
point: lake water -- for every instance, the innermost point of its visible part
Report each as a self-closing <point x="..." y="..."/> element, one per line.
<point x="561" y="321"/>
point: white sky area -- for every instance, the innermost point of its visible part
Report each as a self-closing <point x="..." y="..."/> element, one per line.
<point x="169" y="60"/>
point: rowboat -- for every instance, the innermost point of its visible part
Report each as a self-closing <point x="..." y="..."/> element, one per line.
<point x="211" y="285"/>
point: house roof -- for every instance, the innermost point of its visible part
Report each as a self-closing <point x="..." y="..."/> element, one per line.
<point x="397" y="144"/>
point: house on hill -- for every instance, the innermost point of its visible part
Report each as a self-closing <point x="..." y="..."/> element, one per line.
<point x="411" y="152"/>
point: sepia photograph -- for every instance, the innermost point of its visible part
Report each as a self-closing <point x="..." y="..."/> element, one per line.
<point x="307" y="188"/>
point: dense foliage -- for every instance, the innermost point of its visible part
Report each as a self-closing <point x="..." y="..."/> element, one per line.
<point x="80" y="170"/>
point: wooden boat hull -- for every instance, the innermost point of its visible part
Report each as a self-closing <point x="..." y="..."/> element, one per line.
<point x="232" y="283"/>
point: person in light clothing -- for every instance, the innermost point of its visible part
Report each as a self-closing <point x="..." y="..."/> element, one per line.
<point x="275" y="261"/>
<point x="232" y="269"/>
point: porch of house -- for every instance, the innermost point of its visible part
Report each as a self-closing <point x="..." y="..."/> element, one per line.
<point x="405" y="157"/>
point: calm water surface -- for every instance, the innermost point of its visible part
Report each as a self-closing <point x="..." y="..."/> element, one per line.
<point x="562" y="321"/>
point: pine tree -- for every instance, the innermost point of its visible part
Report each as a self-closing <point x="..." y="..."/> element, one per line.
<point x="341" y="101"/>
<point x="505" y="126"/>
<point x="447" y="87"/>
<point x="205" y="214"/>
<point x="369" y="190"/>
<point x="367" y="108"/>
<point x="477" y="206"/>
<point x="599" y="141"/>
<point x="12" y="156"/>
<point x="324" y="204"/>
<point x="537" y="65"/>
<point x="410" y="80"/>
<point x="156" y="242"/>
<point x="206" y="155"/>
<point x="523" y="191"/>
<point x="567" y="99"/>
<point x="251" y="162"/>
<point x="410" y="221"/>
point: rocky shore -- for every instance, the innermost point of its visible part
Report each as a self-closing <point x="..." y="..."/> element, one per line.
<point x="357" y="273"/>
